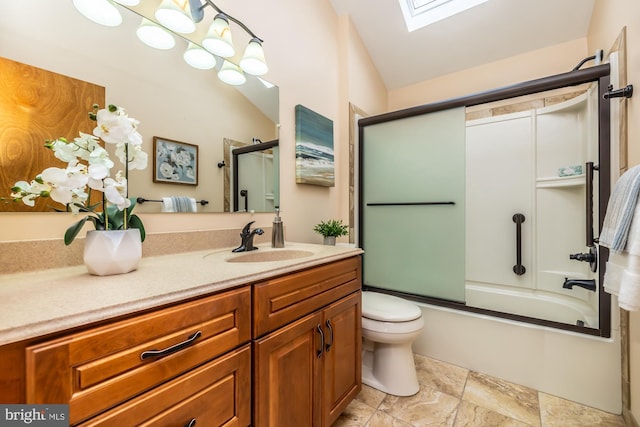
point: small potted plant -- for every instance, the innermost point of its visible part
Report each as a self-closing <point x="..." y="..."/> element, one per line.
<point x="331" y="229"/>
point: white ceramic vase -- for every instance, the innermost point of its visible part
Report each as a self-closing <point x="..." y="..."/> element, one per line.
<point x="108" y="252"/>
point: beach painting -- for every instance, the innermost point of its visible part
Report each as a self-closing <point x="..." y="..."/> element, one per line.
<point x="314" y="148"/>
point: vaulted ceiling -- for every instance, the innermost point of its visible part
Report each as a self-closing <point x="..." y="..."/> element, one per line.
<point x="488" y="32"/>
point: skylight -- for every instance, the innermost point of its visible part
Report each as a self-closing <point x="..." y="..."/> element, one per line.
<point x="420" y="13"/>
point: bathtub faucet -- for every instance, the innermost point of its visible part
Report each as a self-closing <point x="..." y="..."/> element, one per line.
<point x="247" y="238"/>
<point x="589" y="285"/>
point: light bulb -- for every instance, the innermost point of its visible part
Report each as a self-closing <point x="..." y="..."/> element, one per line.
<point x="154" y="35"/>
<point x="231" y="74"/>
<point x="102" y="12"/>
<point x="199" y="58"/>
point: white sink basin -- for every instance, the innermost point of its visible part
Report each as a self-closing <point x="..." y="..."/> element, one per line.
<point x="268" y="256"/>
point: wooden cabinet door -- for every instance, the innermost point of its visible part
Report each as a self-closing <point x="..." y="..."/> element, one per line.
<point x="342" y="356"/>
<point x="287" y="375"/>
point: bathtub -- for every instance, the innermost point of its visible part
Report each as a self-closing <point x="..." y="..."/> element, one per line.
<point x="532" y="303"/>
<point x="574" y="366"/>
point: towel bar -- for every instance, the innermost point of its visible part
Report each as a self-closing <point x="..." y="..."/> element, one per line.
<point x="143" y="200"/>
<point x="411" y="203"/>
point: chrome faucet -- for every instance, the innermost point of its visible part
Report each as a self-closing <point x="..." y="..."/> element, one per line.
<point x="247" y="238"/>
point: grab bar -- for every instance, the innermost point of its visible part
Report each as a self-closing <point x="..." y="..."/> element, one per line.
<point x="589" y="203"/>
<point x="519" y="268"/>
<point x="410" y="203"/>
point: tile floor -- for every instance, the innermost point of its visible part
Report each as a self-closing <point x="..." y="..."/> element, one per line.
<point x="456" y="397"/>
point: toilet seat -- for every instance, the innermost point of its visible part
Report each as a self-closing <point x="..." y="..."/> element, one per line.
<point x="388" y="308"/>
<point x="394" y="328"/>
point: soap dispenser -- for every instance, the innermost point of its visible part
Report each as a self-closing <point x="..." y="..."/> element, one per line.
<point x="277" y="233"/>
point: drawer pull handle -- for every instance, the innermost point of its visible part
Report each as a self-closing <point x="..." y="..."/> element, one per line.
<point x="191" y="423"/>
<point x="319" y="352"/>
<point x="330" y="343"/>
<point x="176" y="347"/>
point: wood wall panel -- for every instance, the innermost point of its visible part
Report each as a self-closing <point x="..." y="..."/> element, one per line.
<point x="36" y="105"/>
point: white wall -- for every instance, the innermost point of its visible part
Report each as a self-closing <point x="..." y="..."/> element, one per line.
<point x="303" y="48"/>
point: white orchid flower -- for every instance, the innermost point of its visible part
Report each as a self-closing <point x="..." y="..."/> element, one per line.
<point x="135" y="138"/>
<point x="113" y="127"/>
<point x="63" y="150"/>
<point x="138" y="159"/>
<point x="97" y="173"/>
<point x="85" y="145"/>
<point x="26" y="192"/>
<point x="115" y="192"/>
<point x="64" y="181"/>
<point x="100" y="156"/>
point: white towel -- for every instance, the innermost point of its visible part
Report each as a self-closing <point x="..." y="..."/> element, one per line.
<point x="179" y="204"/>
<point x="622" y="204"/>
<point x="622" y="276"/>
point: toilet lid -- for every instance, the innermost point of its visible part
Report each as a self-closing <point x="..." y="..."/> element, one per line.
<point x="388" y="308"/>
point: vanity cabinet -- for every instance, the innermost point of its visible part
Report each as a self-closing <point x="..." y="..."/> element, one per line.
<point x="281" y="351"/>
<point x="170" y="362"/>
<point x="307" y="345"/>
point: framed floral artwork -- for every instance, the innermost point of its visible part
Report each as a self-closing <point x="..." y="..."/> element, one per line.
<point x="174" y="161"/>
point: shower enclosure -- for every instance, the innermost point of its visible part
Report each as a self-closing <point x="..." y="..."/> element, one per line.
<point x="490" y="202"/>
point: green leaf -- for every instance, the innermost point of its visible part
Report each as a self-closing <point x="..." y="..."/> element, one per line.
<point x="136" y="222"/>
<point x="73" y="231"/>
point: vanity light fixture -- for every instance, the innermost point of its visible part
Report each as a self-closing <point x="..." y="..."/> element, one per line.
<point x="231" y="74"/>
<point x="218" y="39"/>
<point x="102" y="12"/>
<point x="253" y="61"/>
<point x="176" y="16"/>
<point x="198" y="57"/>
<point x="154" y="35"/>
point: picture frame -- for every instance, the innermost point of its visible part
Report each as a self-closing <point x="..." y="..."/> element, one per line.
<point x="314" y="148"/>
<point x="174" y="162"/>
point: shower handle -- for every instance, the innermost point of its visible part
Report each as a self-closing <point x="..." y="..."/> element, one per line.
<point x="591" y="257"/>
<point x="519" y="268"/>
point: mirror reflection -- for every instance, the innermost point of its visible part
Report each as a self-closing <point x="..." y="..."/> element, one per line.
<point x="171" y="99"/>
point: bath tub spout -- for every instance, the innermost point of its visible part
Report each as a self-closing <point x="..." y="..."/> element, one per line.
<point x="589" y="285"/>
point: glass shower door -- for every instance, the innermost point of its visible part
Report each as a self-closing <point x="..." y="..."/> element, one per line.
<point x="413" y="205"/>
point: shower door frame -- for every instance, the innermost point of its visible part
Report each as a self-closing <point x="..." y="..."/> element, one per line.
<point x="599" y="74"/>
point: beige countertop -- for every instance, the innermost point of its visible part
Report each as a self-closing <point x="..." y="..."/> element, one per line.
<point x="43" y="302"/>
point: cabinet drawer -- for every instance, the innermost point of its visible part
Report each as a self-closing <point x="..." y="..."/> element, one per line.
<point x="282" y="300"/>
<point x="216" y="394"/>
<point x="96" y="369"/>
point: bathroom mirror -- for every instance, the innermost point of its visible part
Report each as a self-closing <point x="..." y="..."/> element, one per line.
<point x="170" y="99"/>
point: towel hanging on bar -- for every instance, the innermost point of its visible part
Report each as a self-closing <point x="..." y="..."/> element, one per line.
<point x="179" y="204"/>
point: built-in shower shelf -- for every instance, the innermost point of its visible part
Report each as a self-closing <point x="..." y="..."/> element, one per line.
<point x="560" y="181"/>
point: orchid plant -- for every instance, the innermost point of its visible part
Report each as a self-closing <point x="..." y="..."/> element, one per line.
<point x="89" y="168"/>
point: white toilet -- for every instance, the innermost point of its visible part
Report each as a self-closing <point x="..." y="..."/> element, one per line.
<point x="389" y="327"/>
